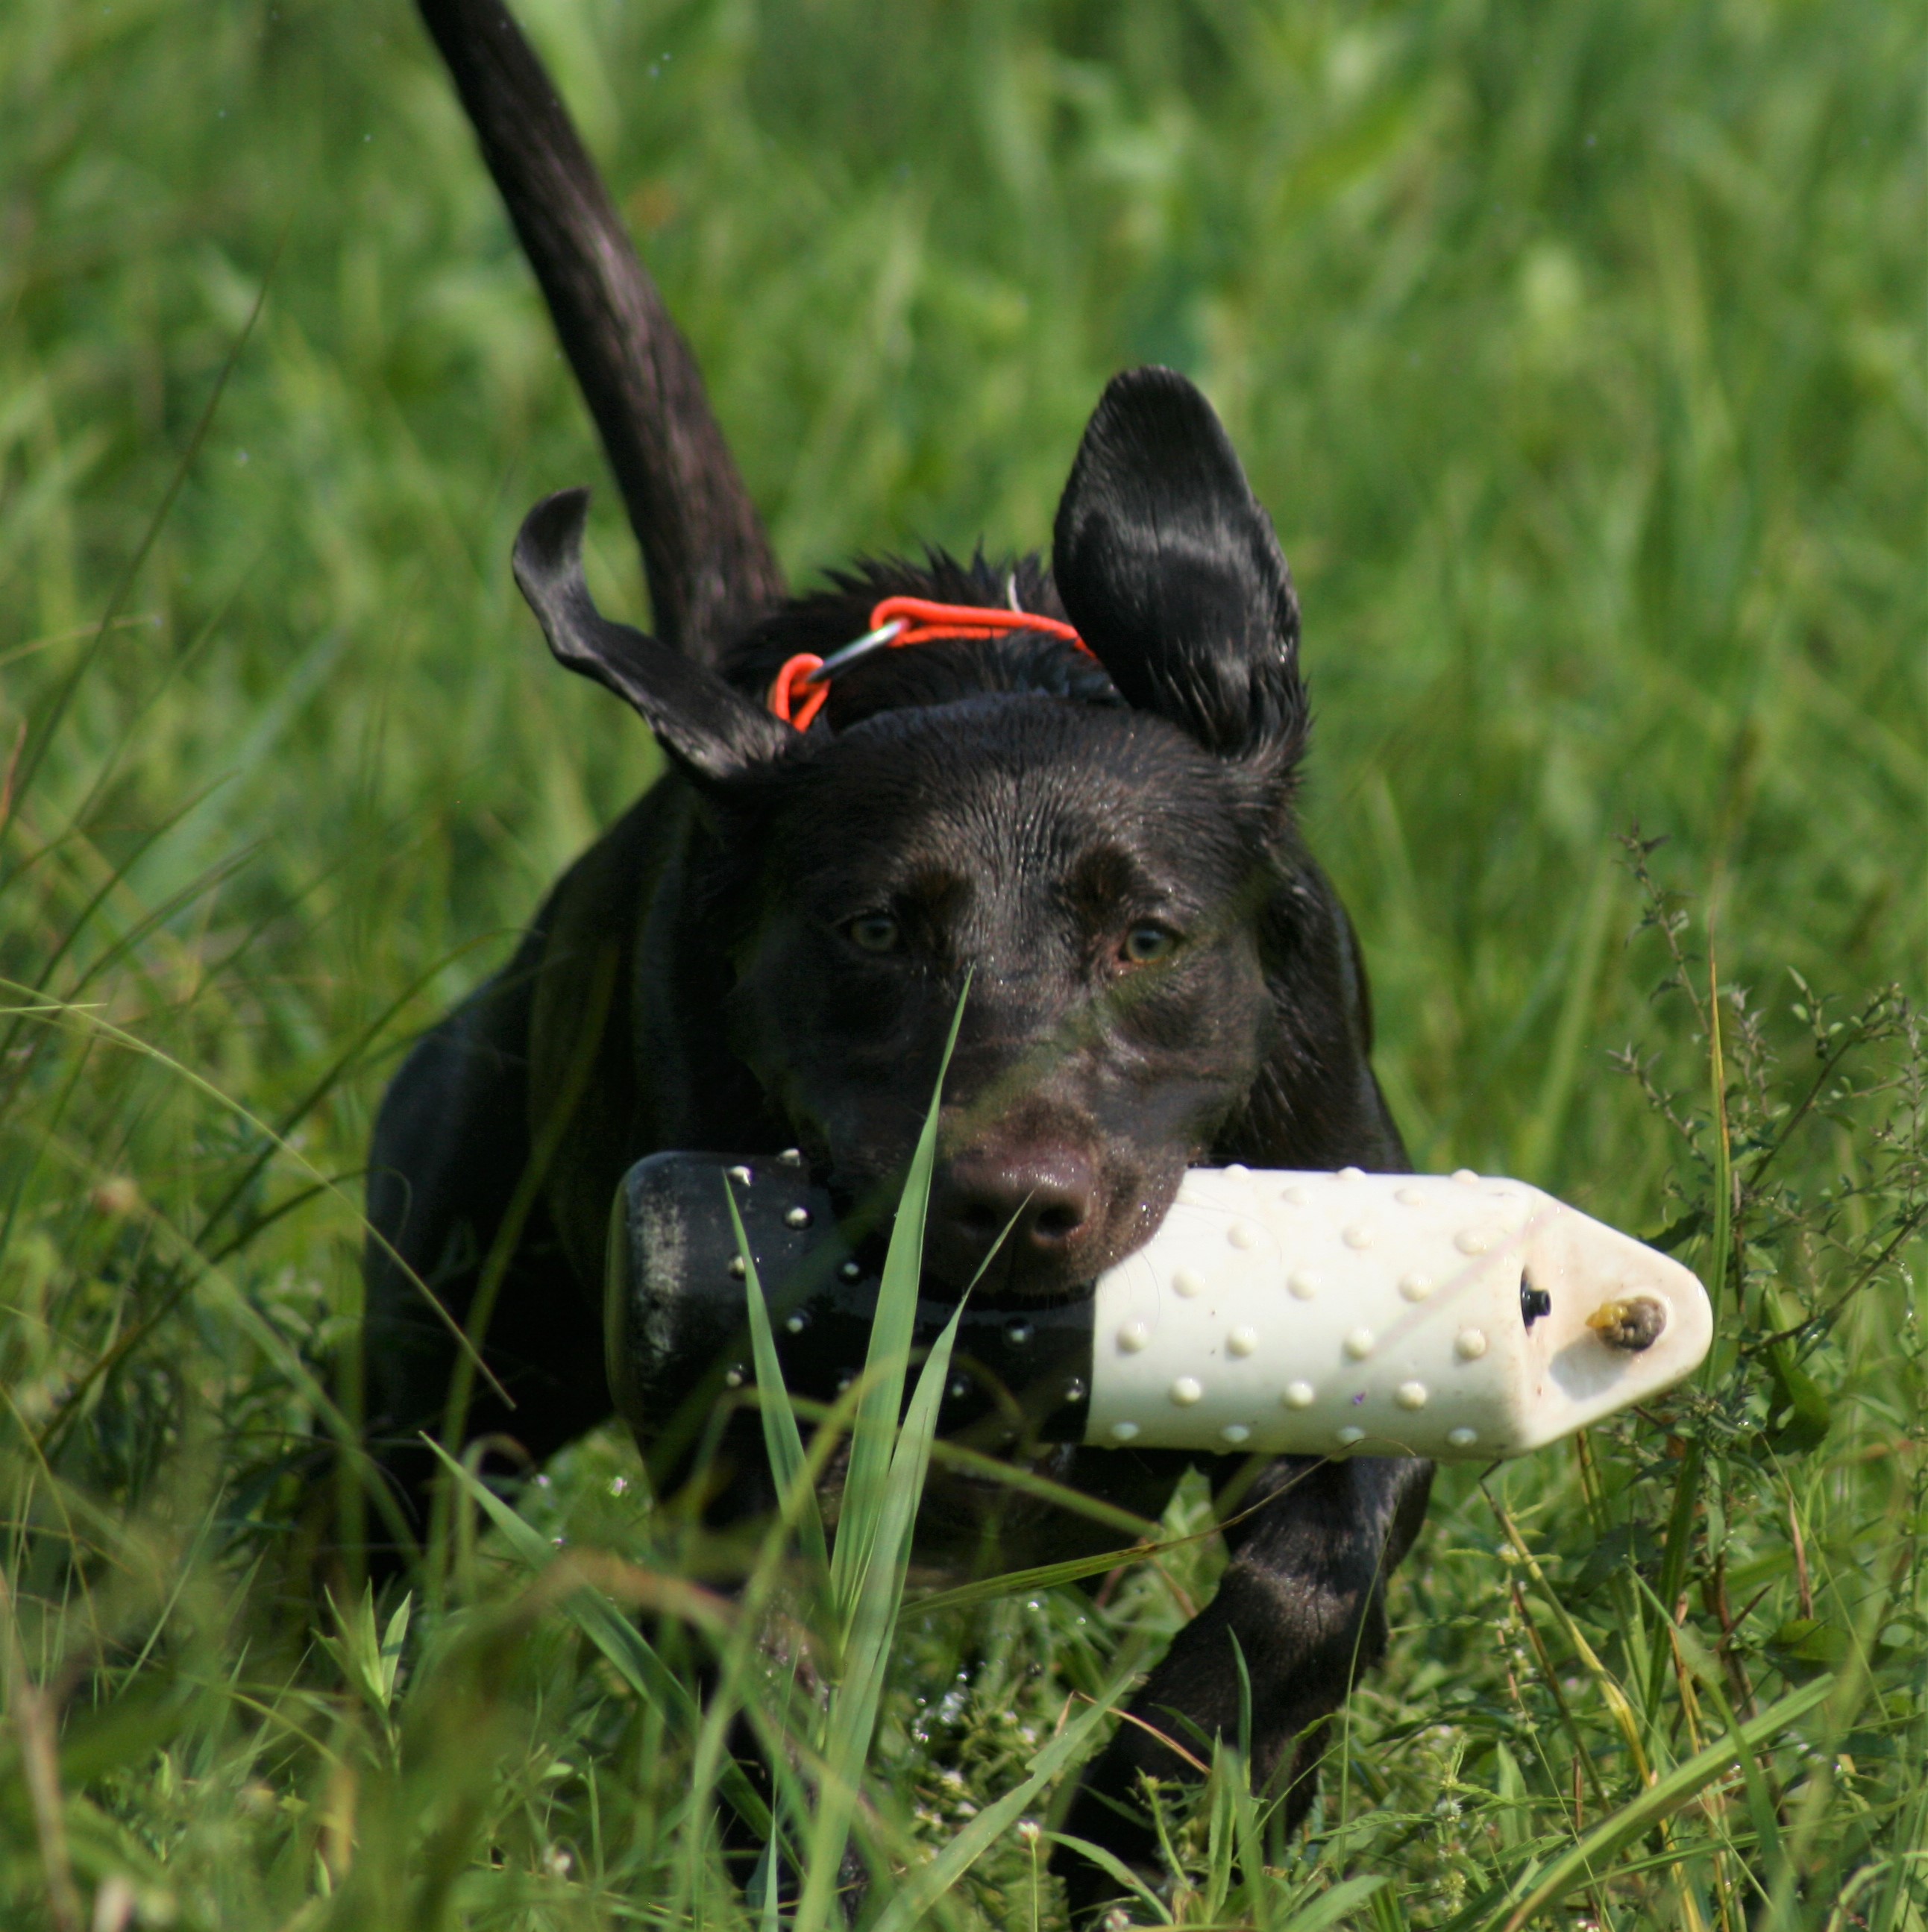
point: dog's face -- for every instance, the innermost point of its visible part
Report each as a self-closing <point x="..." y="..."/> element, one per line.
<point x="1092" y="874"/>
<point x="1097" y="875"/>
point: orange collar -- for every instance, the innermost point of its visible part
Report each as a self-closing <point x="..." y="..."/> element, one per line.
<point x="804" y="682"/>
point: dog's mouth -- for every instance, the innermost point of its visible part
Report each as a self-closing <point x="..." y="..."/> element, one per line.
<point x="1037" y="1224"/>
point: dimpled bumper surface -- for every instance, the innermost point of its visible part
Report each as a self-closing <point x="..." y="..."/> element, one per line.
<point x="1445" y="1316"/>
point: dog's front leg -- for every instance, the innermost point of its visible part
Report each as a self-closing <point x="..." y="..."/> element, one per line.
<point x="1302" y="1600"/>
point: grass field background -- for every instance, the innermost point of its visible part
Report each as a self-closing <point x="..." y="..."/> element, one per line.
<point x="1577" y="349"/>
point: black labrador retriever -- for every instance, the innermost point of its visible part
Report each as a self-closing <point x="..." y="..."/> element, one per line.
<point x="767" y="951"/>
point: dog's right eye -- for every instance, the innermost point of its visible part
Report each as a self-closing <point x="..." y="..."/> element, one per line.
<point x="875" y="932"/>
<point x="1148" y="942"/>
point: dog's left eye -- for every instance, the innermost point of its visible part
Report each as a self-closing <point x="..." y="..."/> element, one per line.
<point x="875" y="932"/>
<point x="1146" y="942"/>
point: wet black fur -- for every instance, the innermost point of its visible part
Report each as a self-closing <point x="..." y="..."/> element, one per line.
<point x="1017" y="811"/>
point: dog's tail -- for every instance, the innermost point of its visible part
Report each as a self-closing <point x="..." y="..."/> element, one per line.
<point x="710" y="568"/>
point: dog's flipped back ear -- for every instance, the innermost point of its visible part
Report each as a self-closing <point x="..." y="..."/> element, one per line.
<point x="1169" y="566"/>
<point x="714" y="731"/>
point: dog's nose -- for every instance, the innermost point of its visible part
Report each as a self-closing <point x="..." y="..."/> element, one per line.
<point x="1047" y="1198"/>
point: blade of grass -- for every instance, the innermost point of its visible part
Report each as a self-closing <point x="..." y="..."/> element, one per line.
<point x="1115" y="1867"/>
<point x="36" y="1724"/>
<point x="1331" y="1906"/>
<point x="629" y="1652"/>
<point x="782" y="1442"/>
<point x="1149" y="1548"/>
<point x="1586" y="1863"/>
<point x="262" y="1332"/>
<point x="1044" y="1575"/>
<point x="1687" y="1484"/>
<point x="874" y="1432"/>
<point x="1023" y="1481"/>
<point x="292" y="1117"/>
<point x="1583" y="1758"/>
<point x="529" y="1184"/>
<point x="29" y="768"/>
<point x="1261" y="1894"/>
<point x="1581" y="975"/>
<point x="921" y="1888"/>
<point x="880" y="1588"/>
<point x="60" y="1012"/>
<point x="1762" y="1813"/>
<point x="1607" y="1684"/>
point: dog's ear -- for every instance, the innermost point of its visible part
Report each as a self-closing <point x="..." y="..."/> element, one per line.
<point x="714" y="731"/>
<point x="1169" y="566"/>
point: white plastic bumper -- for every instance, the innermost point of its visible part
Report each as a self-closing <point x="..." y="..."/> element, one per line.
<point x="1383" y="1315"/>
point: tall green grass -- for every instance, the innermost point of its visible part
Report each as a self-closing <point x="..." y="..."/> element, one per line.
<point x="1577" y="351"/>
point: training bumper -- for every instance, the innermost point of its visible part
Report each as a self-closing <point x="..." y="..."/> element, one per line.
<point x="1458" y="1317"/>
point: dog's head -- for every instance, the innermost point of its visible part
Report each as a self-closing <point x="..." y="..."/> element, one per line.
<point x="1107" y="876"/>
